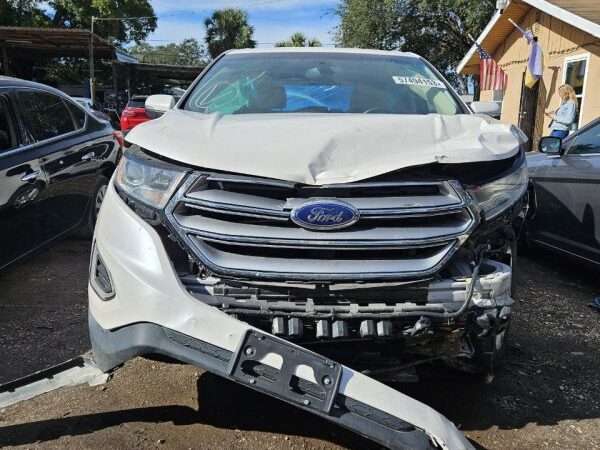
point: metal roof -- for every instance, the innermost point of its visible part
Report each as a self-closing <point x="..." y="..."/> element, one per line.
<point x="165" y="71"/>
<point x="54" y="42"/>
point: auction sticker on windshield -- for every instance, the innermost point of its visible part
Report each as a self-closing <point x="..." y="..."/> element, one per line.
<point x="418" y="81"/>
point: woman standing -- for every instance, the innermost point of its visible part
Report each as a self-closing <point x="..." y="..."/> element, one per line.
<point x="564" y="116"/>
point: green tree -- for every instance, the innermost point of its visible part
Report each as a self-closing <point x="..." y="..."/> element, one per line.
<point x="227" y="29"/>
<point x="438" y="30"/>
<point x="299" y="40"/>
<point x="22" y="13"/>
<point x="188" y="52"/>
<point x="368" y="24"/>
<point x="78" y="14"/>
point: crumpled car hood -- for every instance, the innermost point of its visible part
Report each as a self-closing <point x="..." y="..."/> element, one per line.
<point x="319" y="149"/>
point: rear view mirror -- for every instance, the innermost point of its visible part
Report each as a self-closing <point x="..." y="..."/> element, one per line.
<point x="157" y="105"/>
<point x="491" y="109"/>
<point x="550" y="145"/>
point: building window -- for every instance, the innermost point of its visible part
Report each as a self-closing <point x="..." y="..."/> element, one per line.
<point x="498" y="96"/>
<point x="574" y="73"/>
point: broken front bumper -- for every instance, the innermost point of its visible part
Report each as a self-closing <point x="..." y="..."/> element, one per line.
<point x="293" y="374"/>
<point x="151" y="312"/>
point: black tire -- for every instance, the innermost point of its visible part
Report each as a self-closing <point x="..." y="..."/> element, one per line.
<point x="87" y="228"/>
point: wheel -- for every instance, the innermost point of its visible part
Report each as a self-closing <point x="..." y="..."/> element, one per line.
<point x="98" y="199"/>
<point x="87" y="228"/>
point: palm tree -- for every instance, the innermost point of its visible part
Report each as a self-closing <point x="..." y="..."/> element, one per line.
<point x="299" y="40"/>
<point x="226" y="29"/>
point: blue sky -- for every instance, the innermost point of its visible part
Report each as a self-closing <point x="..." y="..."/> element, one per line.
<point x="273" y="20"/>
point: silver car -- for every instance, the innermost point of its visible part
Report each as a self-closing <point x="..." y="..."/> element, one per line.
<point x="566" y="177"/>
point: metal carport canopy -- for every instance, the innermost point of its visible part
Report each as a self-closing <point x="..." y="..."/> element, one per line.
<point x="57" y="42"/>
<point x="163" y="70"/>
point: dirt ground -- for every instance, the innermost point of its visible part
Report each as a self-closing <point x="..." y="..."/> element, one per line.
<point x="546" y="395"/>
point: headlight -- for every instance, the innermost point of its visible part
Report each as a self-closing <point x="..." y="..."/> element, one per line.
<point x="149" y="183"/>
<point x="497" y="196"/>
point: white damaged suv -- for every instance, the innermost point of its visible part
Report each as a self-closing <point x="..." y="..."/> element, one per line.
<point x="303" y="217"/>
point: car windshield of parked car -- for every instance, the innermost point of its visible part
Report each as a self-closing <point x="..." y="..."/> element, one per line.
<point x="321" y="83"/>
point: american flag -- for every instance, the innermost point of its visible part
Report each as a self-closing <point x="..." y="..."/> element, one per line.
<point x="491" y="76"/>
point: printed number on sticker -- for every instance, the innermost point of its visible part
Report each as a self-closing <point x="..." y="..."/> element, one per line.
<point x="417" y="81"/>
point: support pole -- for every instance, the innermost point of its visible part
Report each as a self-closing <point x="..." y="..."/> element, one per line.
<point x="128" y="82"/>
<point x="114" y="75"/>
<point x="92" y="96"/>
<point x="5" y="61"/>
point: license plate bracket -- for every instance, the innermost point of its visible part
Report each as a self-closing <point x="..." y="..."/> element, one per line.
<point x="248" y="366"/>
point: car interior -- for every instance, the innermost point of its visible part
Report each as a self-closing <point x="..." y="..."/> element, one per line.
<point x="6" y="132"/>
<point x="310" y="85"/>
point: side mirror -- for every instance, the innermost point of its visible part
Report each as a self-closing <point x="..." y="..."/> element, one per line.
<point x="550" y="145"/>
<point x="157" y="105"/>
<point x="491" y="109"/>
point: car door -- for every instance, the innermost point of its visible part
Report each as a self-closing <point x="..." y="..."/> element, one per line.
<point x="68" y="157"/>
<point x="22" y="184"/>
<point x="568" y="191"/>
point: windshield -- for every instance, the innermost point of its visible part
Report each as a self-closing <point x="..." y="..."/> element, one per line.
<point x="321" y="83"/>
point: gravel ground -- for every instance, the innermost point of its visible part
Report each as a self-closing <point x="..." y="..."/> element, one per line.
<point x="546" y="395"/>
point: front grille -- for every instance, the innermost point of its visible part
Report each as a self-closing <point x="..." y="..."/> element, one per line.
<point x="240" y="226"/>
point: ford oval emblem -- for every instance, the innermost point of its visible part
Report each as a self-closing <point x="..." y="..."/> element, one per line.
<point x="325" y="215"/>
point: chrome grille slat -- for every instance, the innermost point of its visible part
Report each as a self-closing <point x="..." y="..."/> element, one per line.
<point x="412" y="212"/>
<point x="237" y="211"/>
<point x="236" y="203"/>
<point x="232" y="200"/>
<point x="240" y="226"/>
<point x="221" y="229"/>
<point x="340" y="267"/>
<point x="330" y="245"/>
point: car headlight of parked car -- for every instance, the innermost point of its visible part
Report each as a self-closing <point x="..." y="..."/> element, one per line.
<point x="147" y="180"/>
<point x="497" y="196"/>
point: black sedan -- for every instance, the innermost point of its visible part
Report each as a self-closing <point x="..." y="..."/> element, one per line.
<point x="55" y="162"/>
<point x="566" y="178"/>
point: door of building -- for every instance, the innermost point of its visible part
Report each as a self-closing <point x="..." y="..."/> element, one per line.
<point x="527" y="110"/>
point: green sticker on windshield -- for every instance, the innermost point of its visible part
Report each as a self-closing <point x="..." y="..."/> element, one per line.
<point x="418" y="81"/>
